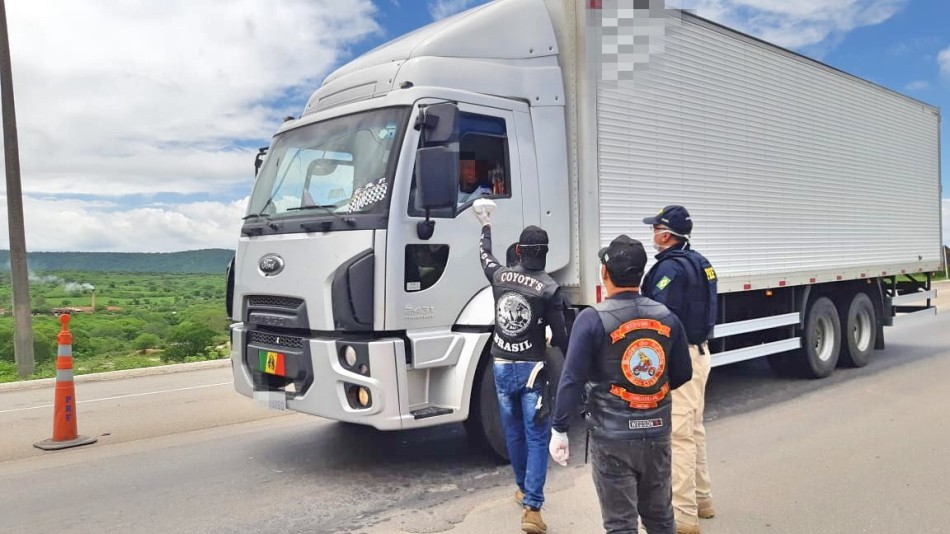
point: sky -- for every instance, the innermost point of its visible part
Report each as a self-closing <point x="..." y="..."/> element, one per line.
<point x="139" y="120"/>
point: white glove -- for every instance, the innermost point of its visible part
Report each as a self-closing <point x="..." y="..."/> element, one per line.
<point x="559" y="447"/>
<point x="483" y="208"/>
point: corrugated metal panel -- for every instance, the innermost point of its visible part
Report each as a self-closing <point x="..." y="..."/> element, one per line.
<point x="787" y="167"/>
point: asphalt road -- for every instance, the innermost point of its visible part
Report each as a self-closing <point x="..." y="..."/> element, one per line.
<point x="184" y="453"/>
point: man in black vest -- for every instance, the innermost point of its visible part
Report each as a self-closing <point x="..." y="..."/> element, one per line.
<point x="527" y="300"/>
<point x="633" y="352"/>
<point x="685" y="282"/>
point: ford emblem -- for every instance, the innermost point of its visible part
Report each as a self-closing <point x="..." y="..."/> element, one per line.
<point x="271" y="265"/>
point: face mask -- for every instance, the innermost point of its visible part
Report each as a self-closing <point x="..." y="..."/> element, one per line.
<point x="656" y="245"/>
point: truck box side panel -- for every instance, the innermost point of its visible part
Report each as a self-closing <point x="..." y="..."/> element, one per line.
<point x="789" y="168"/>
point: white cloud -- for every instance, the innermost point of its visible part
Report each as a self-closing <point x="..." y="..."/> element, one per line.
<point x="439" y="9"/>
<point x="144" y="97"/>
<point x="98" y="226"/>
<point x="944" y="59"/>
<point x="798" y="24"/>
<point x="918" y="85"/>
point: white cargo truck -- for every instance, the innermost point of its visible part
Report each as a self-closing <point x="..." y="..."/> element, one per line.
<point x="356" y="291"/>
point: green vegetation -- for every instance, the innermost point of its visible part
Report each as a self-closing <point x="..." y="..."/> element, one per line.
<point x="137" y="320"/>
<point x="193" y="261"/>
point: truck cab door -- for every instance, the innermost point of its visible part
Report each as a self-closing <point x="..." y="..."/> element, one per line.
<point x="430" y="281"/>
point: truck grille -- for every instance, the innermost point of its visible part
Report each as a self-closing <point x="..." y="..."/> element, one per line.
<point x="289" y="303"/>
<point x="291" y="342"/>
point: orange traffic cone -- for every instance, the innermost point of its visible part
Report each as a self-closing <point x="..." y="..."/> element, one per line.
<point x="65" y="433"/>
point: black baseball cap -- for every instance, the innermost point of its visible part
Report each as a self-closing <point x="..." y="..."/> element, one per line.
<point x="675" y="218"/>
<point x="533" y="235"/>
<point x="625" y="259"/>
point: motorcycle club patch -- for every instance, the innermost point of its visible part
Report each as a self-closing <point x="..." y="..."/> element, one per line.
<point x="644" y="362"/>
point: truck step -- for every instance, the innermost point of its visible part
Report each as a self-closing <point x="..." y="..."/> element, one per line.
<point x="431" y="411"/>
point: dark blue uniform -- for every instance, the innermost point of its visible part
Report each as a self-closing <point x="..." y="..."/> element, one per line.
<point x="685" y="281"/>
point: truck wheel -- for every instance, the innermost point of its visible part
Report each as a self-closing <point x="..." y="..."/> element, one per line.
<point x="821" y="339"/>
<point x="483" y="425"/>
<point x="859" y="330"/>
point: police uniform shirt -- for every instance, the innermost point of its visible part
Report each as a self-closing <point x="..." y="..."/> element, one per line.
<point x="667" y="283"/>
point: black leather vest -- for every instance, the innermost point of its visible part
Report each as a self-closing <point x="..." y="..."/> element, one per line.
<point x="630" y="395"/>
<point x="520" y="296"/>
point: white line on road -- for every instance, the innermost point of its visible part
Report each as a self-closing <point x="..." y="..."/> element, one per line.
<point x="121" y="397"/>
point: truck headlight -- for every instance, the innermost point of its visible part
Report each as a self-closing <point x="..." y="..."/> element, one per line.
<point x="349" y="356"/>
<point x="363" y="397"/>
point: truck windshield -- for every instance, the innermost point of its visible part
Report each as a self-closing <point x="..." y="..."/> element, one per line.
<point x="333" y="168"/>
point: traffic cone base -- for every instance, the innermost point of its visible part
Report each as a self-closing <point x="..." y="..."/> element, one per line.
<point x="53" y="445"/>
<point x="65" y="434"/>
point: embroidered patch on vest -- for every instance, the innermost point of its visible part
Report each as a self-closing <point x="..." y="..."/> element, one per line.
<point x="639" y="324"/>
<point x="513" y="314"/>
<point x="665" y="281"/>
<point x="640" y="424"/>
<point x="710" y="274"/>
<point x="641" y="402"/>
<point x="644" y="362"/>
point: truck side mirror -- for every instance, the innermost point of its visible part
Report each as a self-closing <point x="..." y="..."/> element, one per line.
<point x="438" y="122"/>
<point x="259" y="159"/>
<point x="437" y="174"/>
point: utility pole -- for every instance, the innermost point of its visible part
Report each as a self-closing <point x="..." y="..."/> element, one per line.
<point x="23" y="321"/>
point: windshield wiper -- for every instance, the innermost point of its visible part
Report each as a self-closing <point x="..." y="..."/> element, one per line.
<point x="261" y="216"/>
<point x="349" y="221"/>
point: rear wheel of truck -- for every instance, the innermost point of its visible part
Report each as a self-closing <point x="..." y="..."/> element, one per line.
<point x="483" y="425"/>
<point x="859" y="330"/>
<point x="821" y="344"/>
<point x="821" y="339"/>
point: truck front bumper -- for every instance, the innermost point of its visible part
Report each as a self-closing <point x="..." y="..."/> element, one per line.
<point x="313" y="376"/>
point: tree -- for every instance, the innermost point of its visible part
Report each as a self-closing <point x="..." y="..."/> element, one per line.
<point x="146" y="341"/>
<point x="186" y="340"/>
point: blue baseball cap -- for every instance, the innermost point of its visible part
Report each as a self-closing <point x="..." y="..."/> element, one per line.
<point x="675" y="218"/>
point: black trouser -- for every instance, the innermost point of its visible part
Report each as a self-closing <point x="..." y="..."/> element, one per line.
<point x="632" y="477"/>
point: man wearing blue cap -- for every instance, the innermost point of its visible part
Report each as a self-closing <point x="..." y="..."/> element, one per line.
<point x="685" y="282"/>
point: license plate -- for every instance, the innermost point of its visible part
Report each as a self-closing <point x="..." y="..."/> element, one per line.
<point x="272" y="363"/>
<point x="272" y="400"/>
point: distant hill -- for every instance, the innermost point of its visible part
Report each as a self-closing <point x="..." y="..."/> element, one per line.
<point x="194" y="261"/>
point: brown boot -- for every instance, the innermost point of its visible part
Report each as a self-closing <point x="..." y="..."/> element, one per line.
<point x="683" y="528"/>
<point x="706" y="509"/>
<point x="519" y="496"/>
<point x="532" y="523"/>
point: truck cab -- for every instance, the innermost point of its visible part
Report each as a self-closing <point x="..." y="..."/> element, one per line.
<point x="357" y="291"/>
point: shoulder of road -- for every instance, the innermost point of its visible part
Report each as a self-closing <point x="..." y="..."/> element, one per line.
<point x="115" y="375"/>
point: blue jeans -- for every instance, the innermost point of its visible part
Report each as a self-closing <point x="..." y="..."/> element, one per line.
<point x="527" y="441"/>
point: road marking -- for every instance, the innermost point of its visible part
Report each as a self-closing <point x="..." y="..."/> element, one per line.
<point x="121" y="397"/>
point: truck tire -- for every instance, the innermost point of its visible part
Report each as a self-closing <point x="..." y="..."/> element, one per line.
<point x="859" y="331"/>
<point x="483" y="425"/>
<point x="821" y="340"/>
